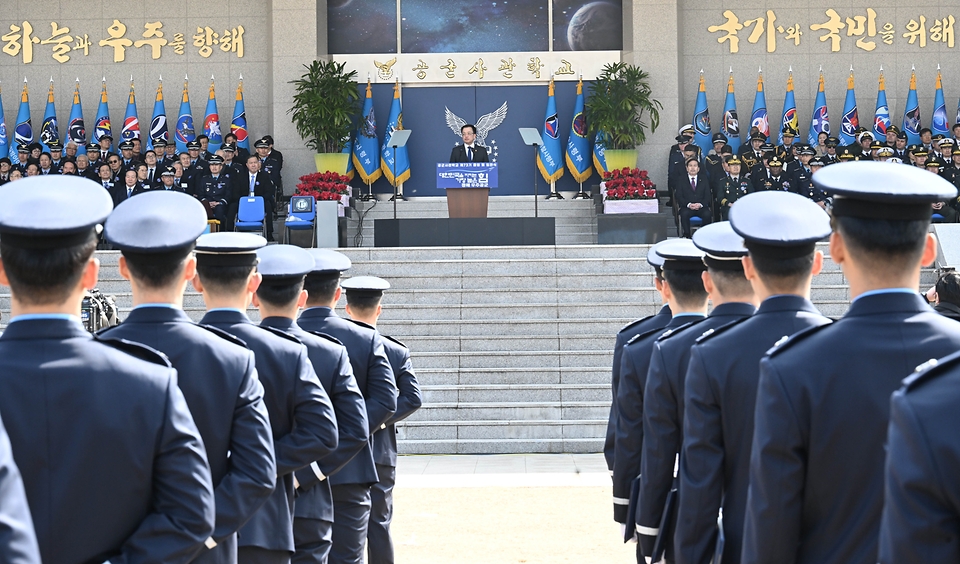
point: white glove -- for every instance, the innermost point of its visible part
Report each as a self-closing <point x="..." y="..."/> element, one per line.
<point x="623" y="531"/>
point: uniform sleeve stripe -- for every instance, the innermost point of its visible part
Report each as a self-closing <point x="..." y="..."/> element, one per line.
<point x="647" y="531"/>
<point x="316" y="470"/>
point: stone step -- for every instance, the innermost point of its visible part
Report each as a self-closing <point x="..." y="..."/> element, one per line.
<point x="521" y="411"/>
<point x="516" y="392"/>
<point x="480" y="328"/>
<point x="512" y="359"/>
<point x="502" y="446"/>
<point x="507" y="344"/>
<point x="502" y="430"/>
<point x="588" y="375"/>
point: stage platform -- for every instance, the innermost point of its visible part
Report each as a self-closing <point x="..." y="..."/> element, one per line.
<point x="465" y="232"/>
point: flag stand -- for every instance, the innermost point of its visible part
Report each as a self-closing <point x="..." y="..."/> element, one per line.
<point x="397" y="139"/>
<point x="369" y="195"/>
<point x="581" y="194"/>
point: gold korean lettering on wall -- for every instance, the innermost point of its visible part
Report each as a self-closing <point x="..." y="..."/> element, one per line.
<point x="22" y="37"/>
<point x="835" y="26"/>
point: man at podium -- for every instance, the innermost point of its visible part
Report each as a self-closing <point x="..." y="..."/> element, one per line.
<point x="469" y="152"/>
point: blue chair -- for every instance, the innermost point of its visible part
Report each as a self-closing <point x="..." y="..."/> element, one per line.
<point x="695" y="223"/>
<point x="251" y="215"/>
<point x="937" y="218"/>
<point x="301" y="216"/>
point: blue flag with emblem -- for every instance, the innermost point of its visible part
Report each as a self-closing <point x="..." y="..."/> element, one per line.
<point x="730" y="125"/>
<point x="131" y="123"/>
<point x="395" y="167"/>
<point x="599" y="154"/>
<point x="184" y="132"/>
<point x="158" y="123"/>
<point x="76" y="131"/>
<point x="820" y="121"/>
<point x="366" y="147"/>
<point x="4" y="142"/>
<point x="50" y="129"/>
<point x="758" y="117"/>
<point x="211" y="121"/>
<point x="881" y="117"/>
<point x="348" y="149"/>
<point x="911" y="113"/>
<point x="102" y="126"/>
<point x="850" y="120"/>
<point x="578" y="145"/>
<point x="701" y="119"/>
<point x="23" y="132"/>
<point x="789" y="117"/>
<point x="549" y="158"/>
<point x="939" y="124"/>
<point x="238" y="126"/>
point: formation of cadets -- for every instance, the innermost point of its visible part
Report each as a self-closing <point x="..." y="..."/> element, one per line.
<point x="764" y="432"/>
<point x="706" y="186"/>
<point x="165" y="440"/>
<point x="218" y="179"/>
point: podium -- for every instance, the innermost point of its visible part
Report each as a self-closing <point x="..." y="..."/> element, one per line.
<point x="467" y="186"/>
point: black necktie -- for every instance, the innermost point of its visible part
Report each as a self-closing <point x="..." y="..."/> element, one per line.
<point x="470" y="154"/>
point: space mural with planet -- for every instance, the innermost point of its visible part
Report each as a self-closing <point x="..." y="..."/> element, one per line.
<point x="462" y="26"/>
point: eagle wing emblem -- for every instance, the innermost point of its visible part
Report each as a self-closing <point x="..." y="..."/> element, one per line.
<point x="488" y="122"/>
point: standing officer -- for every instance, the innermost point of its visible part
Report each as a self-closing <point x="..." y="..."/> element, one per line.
<point x="18" y="541"/>
<point x="351" y="486"/>
<point x="823" y="402"/>
<point x="281" y="293"/>
<point x="656" y="321"/>
<point x="780" y="231"/>
<point x="156" y="234"/>
<point x="271" y="165"/>
<point x="684" y="292"/>
<point x="733" y="299"/>
<point x="921" y="510"/>
<point x="302" y="418"/>
<point x="112" y="462"/>
<point x="364" y="294"/>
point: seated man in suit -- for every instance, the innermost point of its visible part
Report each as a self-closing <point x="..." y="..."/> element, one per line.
<point x="693" y="196"/>
<point x="469" y="152"/>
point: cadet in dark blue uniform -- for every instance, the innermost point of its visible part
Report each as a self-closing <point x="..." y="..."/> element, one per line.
<point x="302" y="417"/>
<point x="364" y="294"/>
<point x="18" y="541"/>
<point x="656" y="321"/>
<point x="351" y="486"/>
<point x="780" y="231"/>
<point x="112" y="462"/>
<point x="214" y="190"/>
<point x="684" y="292"/>
<point x="823" y="402"/>
<point x="921" y="511"/>
<point x="217" y="373"/>
<point x="281" y="293"/>
<point x="733" y="299"/>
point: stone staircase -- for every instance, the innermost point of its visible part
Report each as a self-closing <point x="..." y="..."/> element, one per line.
<point x="512" y="346"/>
<point x="576" y="220"/>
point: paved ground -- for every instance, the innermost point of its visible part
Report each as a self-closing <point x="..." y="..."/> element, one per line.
<point x="492" y="509"/>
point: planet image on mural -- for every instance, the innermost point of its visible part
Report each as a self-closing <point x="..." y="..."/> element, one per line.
<point x="596" y="26"/>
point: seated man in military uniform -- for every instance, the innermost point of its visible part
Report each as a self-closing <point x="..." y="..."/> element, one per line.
<point x="732" y="187"/>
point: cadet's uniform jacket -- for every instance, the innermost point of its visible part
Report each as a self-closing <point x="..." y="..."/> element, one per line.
<point x="408" y="401"/>
<point x="823" y="404"/>
<point x="18" y="541"/>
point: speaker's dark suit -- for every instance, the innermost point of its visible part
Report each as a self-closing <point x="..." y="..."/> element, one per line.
<point x="459" y="155"/>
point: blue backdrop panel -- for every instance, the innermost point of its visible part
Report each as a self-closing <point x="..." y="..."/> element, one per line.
<point x="432" y="140"/>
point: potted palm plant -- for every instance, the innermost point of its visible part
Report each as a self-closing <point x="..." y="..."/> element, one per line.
<point x="621" y="108"/>
<point x="325" y="106"/>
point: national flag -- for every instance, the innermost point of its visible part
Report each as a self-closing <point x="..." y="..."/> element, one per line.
<point x="395" y="167"/>
<point x="730" y="125"/>
<point x="76" y="131"/>
<point x="239" y="124"/>
<point x="549" y="159"/>
<point x="4" y="143"/>
<point x="102" y="127"/>
<point x="23" y="132"/>
<point x="850" y="120"/>
<point x="158" y="123"/>
<point x="184" y="133"/>
<point x="911" y="113"/>
<point x="789" y="117"/>
<point x="758" y="118"/>
<point x="578" y="145"/>
<point x="131" y="124"/>
<point x="881" y="117"/>
<point x="49" y="129"/>
<point x="820" y="121"/>
<point x="599" y="154"/>
<point x="365" y="148"/>
<point x="211" y="122"/>
<point x="939" y="124"/>
<point x="701" y="119"/>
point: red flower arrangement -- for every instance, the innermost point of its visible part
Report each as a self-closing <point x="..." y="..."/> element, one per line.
<point x="629" y="184"/>
<point x="323" y="185"/>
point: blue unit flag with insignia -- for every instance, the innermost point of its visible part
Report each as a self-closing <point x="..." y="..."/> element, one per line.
<point x="211" y="121"/>
<point x="578" y="145"/>
<point x="701" y="119"/>
<point x="239" y="124"/>
<point x="50" y="129"/>
<point x="102" y="126"/>
<point x="131" y="122"/>
<point x="599" y="154"/>
<point x="850" y="120"/>
<point x="911" y="113"/>
<point x="758" y="117"/>
<point x="391" y="164"/>
<point x="4" y="143"/>
<point x="820" y="121"/>
<point x="549" y="159"/>
<point x="730" y="124"/>
<point x="789" y="117"/>
<point x="185" y="132"/>
<point x="881" y="117"/>
<point x="366" y="147"/>
<point x="939" y="124"/>
<point x="76" y="131"/>
<point x="158" y="123"/>
<point x="23" y="133"/>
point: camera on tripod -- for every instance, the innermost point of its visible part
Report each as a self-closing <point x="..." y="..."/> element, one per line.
<point x="98" y="311"/>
